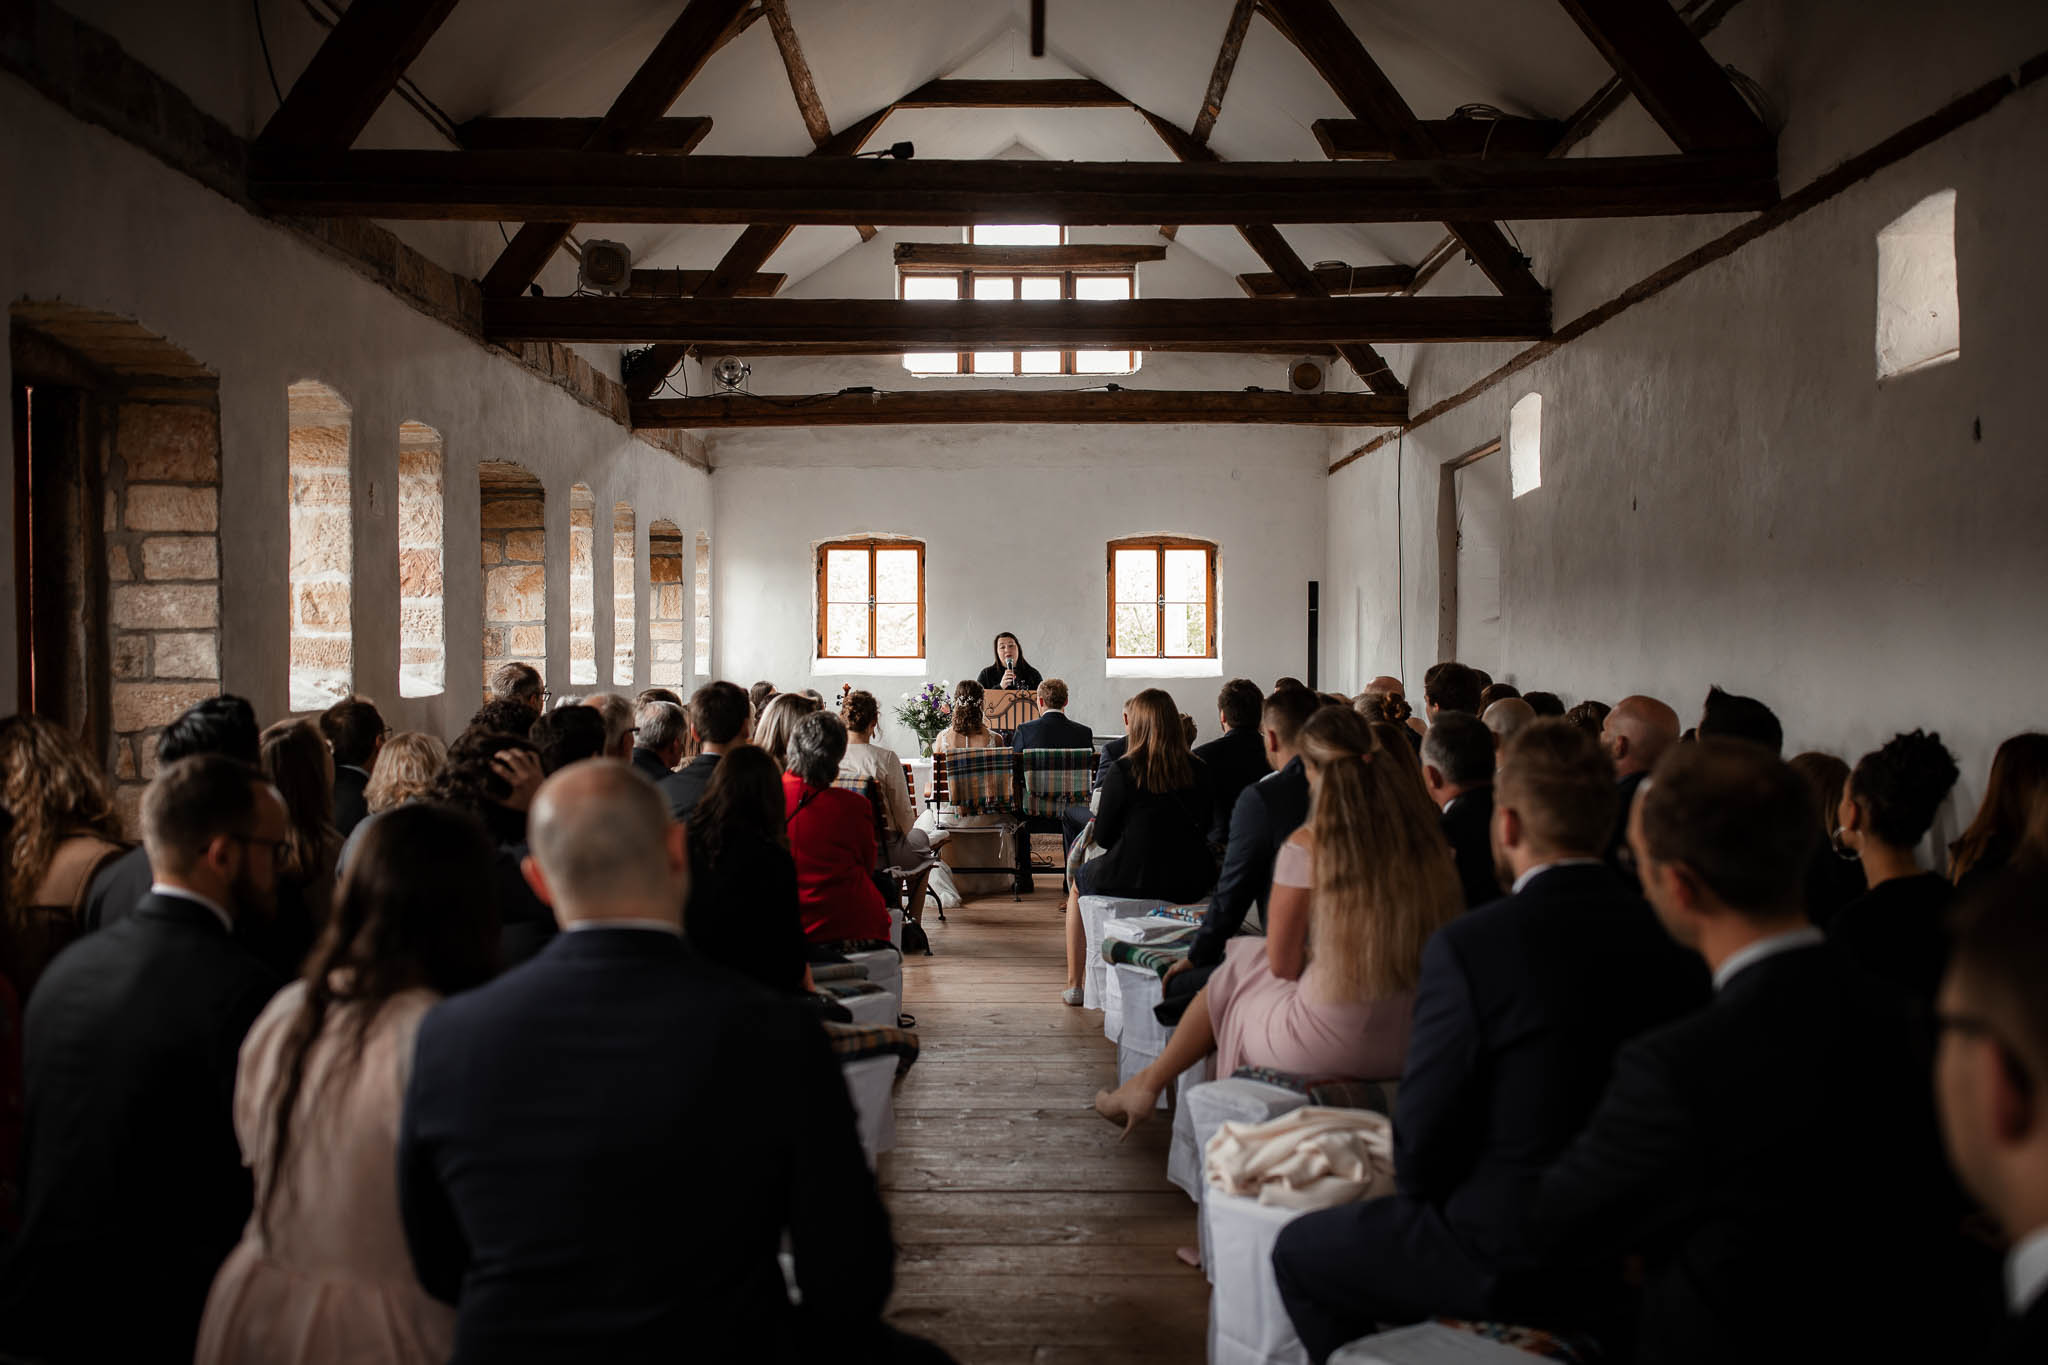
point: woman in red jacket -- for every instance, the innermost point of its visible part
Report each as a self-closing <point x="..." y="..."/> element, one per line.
<point x="832" y="837"/>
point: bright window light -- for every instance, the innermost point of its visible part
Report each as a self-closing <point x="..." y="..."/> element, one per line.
<point x="1919" y="323"/>
<point x="1525" y="445"/>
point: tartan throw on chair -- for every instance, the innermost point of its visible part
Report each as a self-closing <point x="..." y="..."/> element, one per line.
<point x="1572" y="1349"/>
<point x="853" y="1042"/>
<point x="981" y="781"/>
<point x="1335" y="1092"/>
<point x="1055" y="779"/>
<point x="1155" y="956"/>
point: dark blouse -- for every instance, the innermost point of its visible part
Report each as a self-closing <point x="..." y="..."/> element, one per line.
<point x="1028" y="678"/>
<point x="743" y="913"/>
<point x="1156" y="843"/>
<point x="1898" y="931"/>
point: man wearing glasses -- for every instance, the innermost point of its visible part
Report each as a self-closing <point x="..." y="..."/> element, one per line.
<point x="1991" y="1077"/>
<point x="133" y="1176"/>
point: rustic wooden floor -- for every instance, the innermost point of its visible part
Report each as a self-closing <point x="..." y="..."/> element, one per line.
<point x="1028" y="1236"/>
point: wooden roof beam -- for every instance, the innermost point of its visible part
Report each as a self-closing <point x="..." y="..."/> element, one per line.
<point x="1352" y="139"/>
<point x="683" y="284"/>
<point x="1030" y="324"/>
<point x="1336" y="281"/>
<point x="663" y="137"/>
<point x="1055" y="93"/>
<point x="356" y="67"/>
<point x="1019" y="405"/>
<point x="1219" y="82"/>
<point x="1671" y="73"/>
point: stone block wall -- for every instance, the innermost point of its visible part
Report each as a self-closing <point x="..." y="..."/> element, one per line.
<point x="163" y="568"/>
<point x="513" y="517"/>
<point x="422" y="628"/>
<point x="322" y="561"/>
<point x="665" y="603"/>
<point x="582" y="589"/>
<point x="624" y="557"/>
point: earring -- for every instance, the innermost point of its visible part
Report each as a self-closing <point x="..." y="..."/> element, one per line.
<point x="1839" y="846"/>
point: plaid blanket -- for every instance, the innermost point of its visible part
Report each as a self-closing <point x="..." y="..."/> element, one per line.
<point x="1336" y="1092"/>
<point x="981" y="781"/>
<point x="864" y="785"/>
<point x="1156" y="956"/>
<point x="852" y="1042"/>
<point x="1572" y="1349"/>
<point x="838" y="971"/>
<point x="838" y="949"/>
<point x="847" y="987"/>
<point x="1192" y="914"/>
<point x="1055" y="779"/>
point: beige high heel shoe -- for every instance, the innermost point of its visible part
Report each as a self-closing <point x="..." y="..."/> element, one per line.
<point x="1118" y="1108"/>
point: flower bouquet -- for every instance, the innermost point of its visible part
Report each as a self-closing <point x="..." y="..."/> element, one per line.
<point x="924" y="713"/>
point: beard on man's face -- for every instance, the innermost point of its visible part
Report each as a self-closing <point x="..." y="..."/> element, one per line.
<point x="248" y="899"/>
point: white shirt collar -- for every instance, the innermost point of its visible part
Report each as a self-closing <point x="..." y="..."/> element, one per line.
<point x="2026" y="1271"/>
<point x="1756" y="952"/>
<point x="1533" y="873"/>
<point x="659" y="926"/>
<point x="227" y="921"/>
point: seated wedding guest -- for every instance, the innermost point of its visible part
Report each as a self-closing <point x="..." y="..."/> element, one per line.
<point x="1728" y="716"/>
<point x="1544" y="704"/>
<point x="832" y="838"/>
<point x="1832" y="880"/>
<point x="10" y="1076"/>
<point x="649" y="694"/>
<point x="321" y="1272"/>
<point x="504" y="718"/>
<point x="1899" y="928"/>
<point x="1636" y="734"/>
<point x="406" y="768"/>
<point x="300" y="766"/>
<point x="356" y="731"/>
<point x="1457" y="771"/>
<point x="1494" y="692"/>
<point x="758" y="697"/>
<point x="65" y="829"/>
<point x="1010" y="671"/>
<point x="521" y="683"/>
<point x="1153" y="821"/>
<point x="2017" y="787"/>
<point x="660" y="732"/>
<point x="549" y="1190"/>
<point x="908" y="845"/>
<point x="1111" y="751"/>
<point x="1053" y="728"/>
<point x="132" y="1177"/>
<point x="494" y="777"/>
<point x="1990" y="1076"/>
<point x="1590" y="716"/>
<point x="1506" y="717"/>
<point x="1267" y="812"/>
<point x="1238" y="759"/>
<point x="619" y="724"/>
<point x="570" y="734"/>
<point x="224" y="725"/>
<point x="1366" y="881"/>
<point x="780" y="720"/>
<point x="743" y="910"/>
<point x="1484" y="679"/>
<point x="1450" y="687"/>
<point x="1400" y="751"/>
<point x="1735" y="1155"/>
<point x="720" y="717"/>
<point x="1521" y="1008"/>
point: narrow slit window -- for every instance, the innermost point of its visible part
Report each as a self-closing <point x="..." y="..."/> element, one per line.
<point x="322" y="564"/>
<point x="871" y="599"/>
<point x="513" y="514"/>
<point x="422" y="624"/>
<point x="625" y="591"/>
<point x="1162" y="599"/>
<point x="665" y="603"/>
<point x="582" y="587"/>
<point x="701" y="631"/>
<point x="1525" y="445"/>
<point x="1919" y="319"/>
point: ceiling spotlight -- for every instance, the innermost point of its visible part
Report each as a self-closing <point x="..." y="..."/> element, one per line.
<point x="731" y="372"/>
<point x="902" y="151"/>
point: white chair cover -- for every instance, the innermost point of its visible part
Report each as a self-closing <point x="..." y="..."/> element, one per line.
<point x="1097" y="911"/>
<point x="1142" y="1037"/>
<point x="885" y="969"/>
<point x="1429" y="1343"/>
<point x="877" y="1007"/>
<point x="1248" y="1324"/>
<point x="871" y="1083"/>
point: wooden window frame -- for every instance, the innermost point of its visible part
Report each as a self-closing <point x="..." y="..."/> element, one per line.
<point x="870" y="544"/>
<point x="1161" y="544"/>
<point x="964" y="360"/>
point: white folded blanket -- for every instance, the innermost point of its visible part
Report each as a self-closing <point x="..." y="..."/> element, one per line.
<point x="1311" y="1158"/>
<point x="1144" y="928"/>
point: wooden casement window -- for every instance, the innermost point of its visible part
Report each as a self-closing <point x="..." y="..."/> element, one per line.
<point x="871" y="599"/>
<point x="1162" y="598"/>
<point x="917" y="282"/>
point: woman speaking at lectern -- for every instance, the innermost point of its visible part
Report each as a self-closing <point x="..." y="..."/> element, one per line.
<point x="1010" y="671"/>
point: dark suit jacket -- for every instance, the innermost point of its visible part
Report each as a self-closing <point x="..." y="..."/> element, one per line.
<point x="569" y="1170"/>
<point x="118" y="888"/>
<point x="1156" y="843"/>
<point x="1466" y="824"/>
<point x="1627" y="787"/>
<point x="1898" y="931"/>
<point x="1521" y="1008"/>
<point x="1052" y="731"/>
<point x="1267" y="812"/>
<point x="743" y="913"/>
<point x="1111" y="752"/>
<point x="134" y="1188"/>
<point x="2024" y="1340"/>
<point x="1774" y="1161"/>
<point x="649" y="765"/>
<point x="685" y="786"/>
<point x="1235" y="761"/>
<point x="350" y="803"/>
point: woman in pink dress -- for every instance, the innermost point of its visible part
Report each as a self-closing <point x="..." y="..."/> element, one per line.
<point x="1357" y="891"/>
<point x="322" y="1272"/>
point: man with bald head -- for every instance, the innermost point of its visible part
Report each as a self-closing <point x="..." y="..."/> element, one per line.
<point x="1506" y="718"/>
<point x="1635" y="735"/>
<point x="602" y="1150"/>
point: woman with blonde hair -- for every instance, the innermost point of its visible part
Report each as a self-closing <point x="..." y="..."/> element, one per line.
<point x="1158" y="801"/>
<point x="1357" y="892"/>
<point x="405" y="771"/>
<point x="779" y="719"/>
<point x="65" y="830"/>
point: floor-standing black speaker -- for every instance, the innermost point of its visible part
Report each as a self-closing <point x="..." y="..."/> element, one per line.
<point x="1315" y="629"/>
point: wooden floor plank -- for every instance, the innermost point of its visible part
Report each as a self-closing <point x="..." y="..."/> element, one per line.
<point x="1028" y="1234"/>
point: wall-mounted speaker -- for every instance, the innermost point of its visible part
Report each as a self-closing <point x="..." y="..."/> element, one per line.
<point x="1306" y="375"/>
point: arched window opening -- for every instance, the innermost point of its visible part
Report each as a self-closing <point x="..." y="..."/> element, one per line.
<point x="322" y="562"/>
<point x="422" y="626"/>
<point x="582" y="587"/>
<point x="514" y="519"/>
<point x="1525" y="445"/>
<point x="1162" y="598"/>
<point x="701" y="631"/>
<point x="665" y="603"/>
<point x="625" y="570"/>
<point x="1919" y="321"/>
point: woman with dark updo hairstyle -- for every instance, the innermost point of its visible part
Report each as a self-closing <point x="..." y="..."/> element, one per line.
<point x="1898" y="929"/>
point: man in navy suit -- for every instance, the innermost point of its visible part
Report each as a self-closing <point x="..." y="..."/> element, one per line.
<point x="1520" y="1010"/>
<point x="1237" y="758"/>
<point x="1457" y="771"/>
<point x="603" y="1149"/>
<point x="1052" y="729"/>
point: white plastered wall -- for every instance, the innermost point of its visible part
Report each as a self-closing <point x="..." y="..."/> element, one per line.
<point x="108" y="227"/>
<point x="1016" y="521"/>
<point x="1728" y="493"/>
